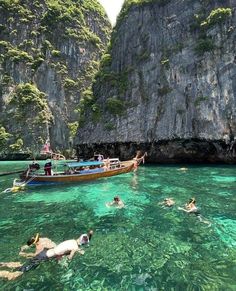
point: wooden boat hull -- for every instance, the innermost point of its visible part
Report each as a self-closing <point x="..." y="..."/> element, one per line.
<point x="74" y="178"/>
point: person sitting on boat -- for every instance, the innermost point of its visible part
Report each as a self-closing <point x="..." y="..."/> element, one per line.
<point x="117" y="202"/>
<point x="139" y="157"/>
<point x="68" y="247"/>
<point x="168" y="202"/>
<point x="34" y="166"/>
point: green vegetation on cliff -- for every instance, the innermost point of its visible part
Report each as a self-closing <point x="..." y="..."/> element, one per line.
<point x="27" y="113"/>
<point x="27" y="98"/>
<point x="45" y="44"/>
<point x="202" y="23"/>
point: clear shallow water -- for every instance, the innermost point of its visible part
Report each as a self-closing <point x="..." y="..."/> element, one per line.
<point x="140" y="247"/>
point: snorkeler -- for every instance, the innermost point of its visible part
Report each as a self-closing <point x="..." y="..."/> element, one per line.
<point x="117" y="202"/>
<point x="68" y="247"/>
<point x="40" y="243"/>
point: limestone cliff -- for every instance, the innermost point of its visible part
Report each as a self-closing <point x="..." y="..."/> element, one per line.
<point x="167" y="84"/>
<point x="49" y="54"/>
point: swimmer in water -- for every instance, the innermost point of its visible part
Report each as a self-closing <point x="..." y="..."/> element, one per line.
<point x="168" y="202"/>
<point x="191" y="207"/>
<point x="117" y="202"/>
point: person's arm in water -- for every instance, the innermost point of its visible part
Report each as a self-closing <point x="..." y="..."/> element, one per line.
<point x="109" y="204"/>
<point x="188" y="210"/>
<point x="43" y="242"/>
<point x="72" y="253"/>
<point x="185" y="210"/>
<point x="25" y="254"/>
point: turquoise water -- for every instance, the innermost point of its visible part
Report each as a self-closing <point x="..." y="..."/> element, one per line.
<point x="140" y="247"/>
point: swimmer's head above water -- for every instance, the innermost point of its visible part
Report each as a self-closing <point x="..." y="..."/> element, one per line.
<point x="192" y="200"/>
<point x="33" y="240"/>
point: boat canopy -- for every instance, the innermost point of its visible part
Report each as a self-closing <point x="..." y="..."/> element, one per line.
<point x="84" y="164"/>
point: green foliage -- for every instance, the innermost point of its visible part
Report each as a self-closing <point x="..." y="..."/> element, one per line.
<point x="87" y="97"/>
<point x="204" y="45"/>
<point x="47" y="45"/>
<point x="29" y="109"/>
<point x="6" y="79"/>
<point x="165" y="62"/>
<point x="72" y="33"/>
<point x="96" y="112"/>
<point x="38" y="60"/>
<point x="27" y="99"/>
<point x="4" y="137"/>
<point x="94" y="6"/>
<point x="73" y="126"/>
<point x="217" y="16"/>
<point x="69" y="83"/>
<point x="17" y="55"/>
<point x="115" y="106"/>
<point x="116" y="80"/>
<point x="17" y="146"/>
<point x="87" y="35"/>
<point x="105" y="61"/>
<point x="130" y="3"/>
<point x="34" y="33"/>
<point x="24" y="20"/>
<point x="26" y="104"/>
<point x="4" y="43"/>
<point x="56" y="53"/>
<point x="52" y="15"/>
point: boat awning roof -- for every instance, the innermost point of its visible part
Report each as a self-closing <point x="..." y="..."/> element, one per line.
<point x="84" y="164"/>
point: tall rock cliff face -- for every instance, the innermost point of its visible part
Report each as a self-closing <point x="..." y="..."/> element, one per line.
<point x="168" y="84"/>
<point x="49" y="54"/>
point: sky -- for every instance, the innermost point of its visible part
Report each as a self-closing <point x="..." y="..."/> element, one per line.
<point x="112" y="8"/>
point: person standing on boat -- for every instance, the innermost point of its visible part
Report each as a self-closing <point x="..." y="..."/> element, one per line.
<point x="107" y="163"/>
<point x="48" y="168"/>
<point x="100" y="157"/>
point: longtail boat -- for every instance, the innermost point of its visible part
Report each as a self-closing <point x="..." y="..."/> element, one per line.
<point x="77" y="172"/>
